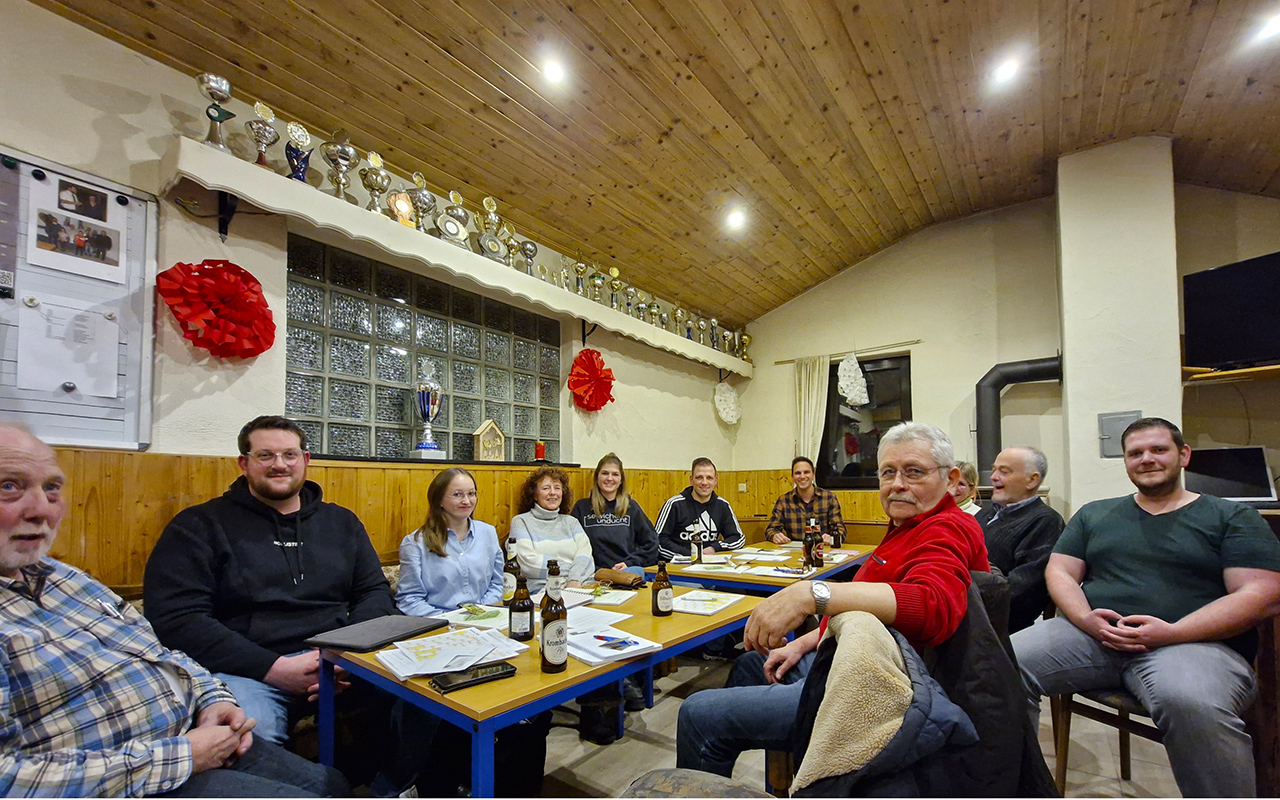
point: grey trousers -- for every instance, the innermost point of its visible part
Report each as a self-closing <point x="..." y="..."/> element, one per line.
<point x="1194" y="692"/>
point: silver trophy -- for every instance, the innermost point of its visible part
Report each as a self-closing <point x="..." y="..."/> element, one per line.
<point x="452" y="222"/>
<point x="487" y="241"/>
<point x="702" y="331"/>
<point x="429" y="397"/>
<point x="727" y="335"/>
<point x="664" y="320"/>
<point x="261" y="132"/>
<point x="597" y="282"/>
<point x="341" y="157"/>
<point x="528" y="250"/>
<point x="581" y="269"/>
<point x="630" y="293"/>
<point x="376" y="180"/>
<point x="715" y="335"/>
<point x="217" y="89"/>
<point x="424" y="203"/>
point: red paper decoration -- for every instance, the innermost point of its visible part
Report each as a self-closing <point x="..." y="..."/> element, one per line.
<point x="590" y="381"/>
<point x="219" y="306"/>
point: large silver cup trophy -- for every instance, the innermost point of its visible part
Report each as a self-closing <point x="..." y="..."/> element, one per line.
<point x="429" y="396"/>
<point x="341" y="157"/>
<point x="217" y="89"/>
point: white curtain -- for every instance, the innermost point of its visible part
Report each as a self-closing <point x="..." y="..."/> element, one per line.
<point x="812" y="376"/>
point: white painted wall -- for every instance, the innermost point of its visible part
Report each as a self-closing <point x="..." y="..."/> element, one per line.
<point x="1119" y="300"/>
<point x="976" y="292"/>
<point x="1216" y="228"/>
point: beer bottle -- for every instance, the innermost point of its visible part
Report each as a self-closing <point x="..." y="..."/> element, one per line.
<point x="510" y="573"/>
<point x="663" y="594"/>
<point x="553" y="576"/>
<point x="837" y="541"/>
<point x="816" y="555"/>
<point x="555" y="624"/>
<point x="695" y="547"/>
<point x="808" y="546"/>
<point x="520" y="621"/>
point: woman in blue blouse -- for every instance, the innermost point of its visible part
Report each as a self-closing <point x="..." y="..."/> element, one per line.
<point x="452" y="559"/>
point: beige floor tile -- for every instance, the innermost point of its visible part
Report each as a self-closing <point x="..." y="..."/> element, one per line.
<point x="1150" y="780"/>
<point x="1082" y="784"/>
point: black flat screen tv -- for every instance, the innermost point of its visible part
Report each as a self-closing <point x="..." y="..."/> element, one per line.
<point x="1233" y="473"/>
<point x="1231" y="314"/>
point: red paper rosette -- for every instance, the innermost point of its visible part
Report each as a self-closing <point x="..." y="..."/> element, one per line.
<point x="219" y="306"/>
<point x="590" y="381"/>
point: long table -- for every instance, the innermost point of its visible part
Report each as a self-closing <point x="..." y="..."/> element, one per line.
<point x="688" y="574"/>
<point x="486" y="708"/>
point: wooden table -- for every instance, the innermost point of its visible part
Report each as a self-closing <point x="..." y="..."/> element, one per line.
<point x="762" y="584"/>
<point x="486" y="708"/>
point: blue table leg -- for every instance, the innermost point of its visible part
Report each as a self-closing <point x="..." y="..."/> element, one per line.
<point x="648" y="686"/>
<point x="482" y="765"/>
<point x="325" y="720"/>
<point x="622" y="706"/>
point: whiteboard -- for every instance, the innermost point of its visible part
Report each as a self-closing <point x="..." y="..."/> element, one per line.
<point x="70" y="240"/>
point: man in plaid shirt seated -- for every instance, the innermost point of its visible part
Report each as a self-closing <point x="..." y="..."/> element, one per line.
<point x="90" y="703"/>
<point x="804" y="502"/>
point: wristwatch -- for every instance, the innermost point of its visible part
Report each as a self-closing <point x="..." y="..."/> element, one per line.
<point x="821" y="594"/>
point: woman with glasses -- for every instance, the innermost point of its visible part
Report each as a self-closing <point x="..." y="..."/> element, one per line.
<point x="966" y="491"/>
<point x="622" y="537"/>
<point x="545" y="531"/>
<point x="452" y="559"/>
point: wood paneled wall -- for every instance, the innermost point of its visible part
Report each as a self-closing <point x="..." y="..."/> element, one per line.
<point x="119" y="502"/>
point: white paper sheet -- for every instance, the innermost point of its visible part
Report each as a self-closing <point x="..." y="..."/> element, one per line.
<point x="63" y="341"/>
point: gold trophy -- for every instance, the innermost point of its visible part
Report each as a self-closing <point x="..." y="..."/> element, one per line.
<point x="615" y="286"/>
<point x="654" y="310"/>
<point x="597" y="282"/>
<point x="581" y="269"/>
<point x="743" y="342"/>
<point x="376" y="180"/>
<point x="400" y="207"/>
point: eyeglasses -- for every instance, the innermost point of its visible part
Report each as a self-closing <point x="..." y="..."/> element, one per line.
<point x="268" y="457"/>
<point x="910" y="474"/>
<point x="460" y="496"/>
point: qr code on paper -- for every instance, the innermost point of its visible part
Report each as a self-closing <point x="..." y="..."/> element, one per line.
<point x="6" y="279"/>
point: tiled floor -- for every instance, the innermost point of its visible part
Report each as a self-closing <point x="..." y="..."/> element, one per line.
<point x="579" y="769"/>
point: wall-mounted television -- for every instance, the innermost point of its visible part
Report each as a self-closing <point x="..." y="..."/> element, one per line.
<point x="1231" y="314"/>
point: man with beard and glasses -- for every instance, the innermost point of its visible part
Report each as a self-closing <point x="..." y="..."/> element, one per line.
<point x="91" y="705"/>
<point x="1158" y="593"/>
<point x="241" y="581"/>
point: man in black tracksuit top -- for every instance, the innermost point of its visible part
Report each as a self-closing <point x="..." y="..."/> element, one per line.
<point x="239" y="582"/>
<point x="1020" y="531"/>
<point x="698" y="512"/>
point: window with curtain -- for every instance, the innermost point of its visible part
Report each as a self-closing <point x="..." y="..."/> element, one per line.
<point x="361" y="335"/>
<point x="851" y="435"/>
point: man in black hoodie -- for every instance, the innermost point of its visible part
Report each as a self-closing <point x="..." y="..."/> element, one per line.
<point x="698" y="513"/>
<point x="238" y="583"/>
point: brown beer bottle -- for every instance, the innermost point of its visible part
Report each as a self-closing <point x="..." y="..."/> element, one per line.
<point x="808" y="546"/>
<point x="816" y="556"/>
<point x="520" y="620"/>
<point x="555" y="623"/>
<point x="510" y="572"/>
<point x="663" y="593"/>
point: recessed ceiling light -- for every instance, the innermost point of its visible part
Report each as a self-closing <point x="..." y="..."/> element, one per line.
<point x="737" y="219"/>
<point x="1270" y="29"/>
<point x="553" y="70"/>
<point x="1005" y="72"/>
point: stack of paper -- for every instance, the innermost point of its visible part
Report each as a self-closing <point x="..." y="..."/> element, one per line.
<point x="590" y="620"/>
<point x="713" y="568"/>
<point x="704" y="603"/>
<point x="792" y="545"/>
<point x="610" y="597"/>
<point x="454" y="651"/>
<point x="571" y="597"/>
<point x="607" y="644"/>
<point x="780" y="572"/>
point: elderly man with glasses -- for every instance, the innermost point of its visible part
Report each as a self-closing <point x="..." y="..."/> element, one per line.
<point x="917" y="581"/>
<point x="241" y="581"/>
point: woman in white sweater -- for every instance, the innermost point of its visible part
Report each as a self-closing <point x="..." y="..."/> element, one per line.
<point x="544" y="531"/>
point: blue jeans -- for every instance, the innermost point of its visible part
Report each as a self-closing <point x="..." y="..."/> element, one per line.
<point x="266" y="771"/>
<point x="717" y="725"/>
<point x="1195" y="693"/>
<point x="273" y="708"/>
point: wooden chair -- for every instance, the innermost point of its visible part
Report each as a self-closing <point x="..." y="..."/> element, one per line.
<point x="1119" y="708"/>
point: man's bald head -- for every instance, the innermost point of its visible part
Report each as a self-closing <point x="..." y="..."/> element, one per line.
<point x="31" y="499"/>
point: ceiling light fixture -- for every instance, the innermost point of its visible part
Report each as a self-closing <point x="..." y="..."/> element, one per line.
<point x="737" y="219"/>
<point x="1005" y="72"/>
<point x="1271" y="28"/>
<point x="553" y="70"/>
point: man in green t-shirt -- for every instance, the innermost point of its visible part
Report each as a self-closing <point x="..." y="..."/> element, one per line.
<point x="1158" y="593"/>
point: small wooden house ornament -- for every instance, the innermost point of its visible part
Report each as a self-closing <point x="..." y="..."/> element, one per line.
<point x="490" y="442"/>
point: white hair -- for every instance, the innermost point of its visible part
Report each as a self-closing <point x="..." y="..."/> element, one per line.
<point x="1034" y="460"/>
<point x="939" y="443"/>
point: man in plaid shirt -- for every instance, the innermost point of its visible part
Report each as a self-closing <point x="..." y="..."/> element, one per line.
<point x="804" y="502"/>
<point x="90" y="703"/>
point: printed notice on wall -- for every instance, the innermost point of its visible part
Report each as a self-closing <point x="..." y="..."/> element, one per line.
<point x="66" y="346"/>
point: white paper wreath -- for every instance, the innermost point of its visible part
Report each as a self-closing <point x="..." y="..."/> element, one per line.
<point x="851" y="383"/>
<point x="727" y="404"/>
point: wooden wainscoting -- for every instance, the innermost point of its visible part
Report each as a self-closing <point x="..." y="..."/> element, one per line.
<point x="119" y="501"/>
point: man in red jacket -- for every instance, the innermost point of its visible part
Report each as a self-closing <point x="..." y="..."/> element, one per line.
<point x="917" y="581"/>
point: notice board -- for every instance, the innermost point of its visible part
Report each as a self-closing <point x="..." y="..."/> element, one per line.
<point x="77" y="263"/>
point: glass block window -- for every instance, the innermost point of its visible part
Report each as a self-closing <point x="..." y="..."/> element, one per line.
<point x="362" y="335"/>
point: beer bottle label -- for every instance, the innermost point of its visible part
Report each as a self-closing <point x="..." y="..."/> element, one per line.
<point x="522" y="622"/>
<point x="508" y="586"/>
<point x="555" y="641"/>
<point x="664" y="599"/>
<point x="554" y="586"/>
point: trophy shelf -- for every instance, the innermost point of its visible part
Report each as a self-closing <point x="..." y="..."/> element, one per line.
<point x="321" y="216"/>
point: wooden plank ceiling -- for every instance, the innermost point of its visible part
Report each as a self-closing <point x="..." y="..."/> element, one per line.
<point x="839" y="126"/>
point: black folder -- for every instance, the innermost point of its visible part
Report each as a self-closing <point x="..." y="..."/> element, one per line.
<point x="375" y="633"/>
